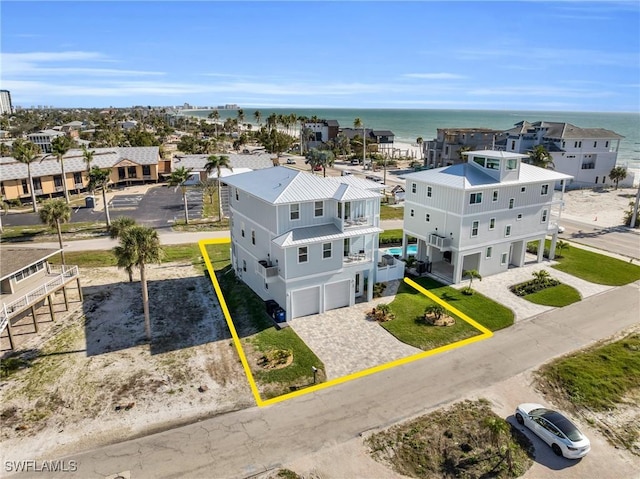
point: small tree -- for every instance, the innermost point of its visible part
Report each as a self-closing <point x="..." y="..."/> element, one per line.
<point x="561" y="245"/>
<point x="540" y="157"/>
<point x="60" y="146"/>
<point x="99" y="179"/>
<point x="434" y="313"/>
<point x="541" y="277"/>
<point x="116" y="230"/>
<point x="217" y="163"/>
<point x="471" y="274"/>
<point x="617" y="174"/>
<point x="53" y="213"/>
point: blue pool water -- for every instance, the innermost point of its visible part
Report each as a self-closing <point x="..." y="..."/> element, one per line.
<point x="412" y="250"/>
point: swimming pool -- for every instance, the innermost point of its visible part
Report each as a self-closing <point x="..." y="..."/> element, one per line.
<point x="412" y="250"/>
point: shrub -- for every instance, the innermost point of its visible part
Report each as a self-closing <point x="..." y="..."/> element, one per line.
<point x="378" y="289"/>
<point x="382" y="313"/>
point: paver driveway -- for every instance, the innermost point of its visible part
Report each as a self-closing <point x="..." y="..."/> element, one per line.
<point x="347" y="342"/>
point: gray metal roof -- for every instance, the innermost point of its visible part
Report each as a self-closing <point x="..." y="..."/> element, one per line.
<point x="281" y="185"/>
<point x="561" y="130"/>
<point x="74" y="161"/>
<point x="197" y="162"/>
<point x="320" y="234"/>
<point x="464" y="176"/>
<point x="17" y="259"/>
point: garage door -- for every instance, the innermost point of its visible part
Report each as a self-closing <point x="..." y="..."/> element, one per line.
<point x="305" y="302"/>
<point x="337" y="295"/>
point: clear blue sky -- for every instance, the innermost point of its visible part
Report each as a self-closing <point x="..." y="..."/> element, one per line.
<point x="560" y="55"/>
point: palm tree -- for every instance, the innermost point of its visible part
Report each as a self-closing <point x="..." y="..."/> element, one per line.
<point x="99" y="178"/>
<point x="118" y="227"/>
<point x="217" y="163"/>
<point x="215" y="116"/>
<point x="53" y="213"/>
<point x="541" y="277"/>
<point x="560" y="245"/>
<point x="540" y="157"/>
<point x="357" y="123"/>
<point x="498" y="429"/>
<point x="240" y="118"/>
<point x="471" y="274"/>
<point x="178" y="178"/>
<point x="617" y="174"/>
<point x="59" y="147"/>
<point x="420" y="141"/>
<point x="27" y="152"/>
<point x="87" y="155"/>
<point x="258" y="116"/>
<point x="139" y="246"/>
<point x="4" y="209"/>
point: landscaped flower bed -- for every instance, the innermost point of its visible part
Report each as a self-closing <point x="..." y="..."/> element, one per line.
<point x="533" y="286"/>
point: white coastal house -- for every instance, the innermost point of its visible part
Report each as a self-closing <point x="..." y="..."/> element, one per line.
<point x="587" y="154"/>
<point x="307" y="242"/>
<point x="480" y="215"/>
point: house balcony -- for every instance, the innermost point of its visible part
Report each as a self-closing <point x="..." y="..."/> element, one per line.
<point x="78" y="186"/>
<point x="359" y="258"/>
<point x="267" y="270"/>
<point x="38" y="192"/>
<point x="14" y="304"/>
<point x="440" y="242"/>
<point x="58" y="189"/>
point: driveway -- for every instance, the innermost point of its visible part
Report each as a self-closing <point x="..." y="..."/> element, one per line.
<point x="347" y="342"/>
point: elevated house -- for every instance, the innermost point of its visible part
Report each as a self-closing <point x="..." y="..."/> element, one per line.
<point x="128" y="165"/>
<point x="480" y="215"/>
<point x="307" y="242"/>
<point x="44" y="138"/>
<point x="28" y="281"/>
<point x="319" y="132"/>
<point x="587" y="154"/>
<point x="447" y="148"/>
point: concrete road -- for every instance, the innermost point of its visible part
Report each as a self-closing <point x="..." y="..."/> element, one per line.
<point x="249" y="441"/>
<point x="619" y="239"/>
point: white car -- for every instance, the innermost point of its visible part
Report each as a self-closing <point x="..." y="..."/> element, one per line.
<point x="555" y="429"/>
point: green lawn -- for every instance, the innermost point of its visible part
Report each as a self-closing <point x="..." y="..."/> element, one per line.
<point x="70" y="231"/>
<point x="409" y="305"/>
<point x="557" y="296"/>
<point x="391" y="213"/>
<point x="597" y="268"/>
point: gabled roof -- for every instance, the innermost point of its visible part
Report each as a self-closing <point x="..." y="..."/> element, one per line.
<point x="197" y="162"/>
<point x="74" y="161"/>
<point x="383" y="133"/>
<point x="17" y="259"/>
<point x="561" y="130"/>
<point x="281" y="185"/>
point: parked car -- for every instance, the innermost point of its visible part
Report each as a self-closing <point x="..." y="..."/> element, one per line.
<point x="555" y="429"/>
<point x="560" y="229"/>
<point x="291" y="161"/>
<point x="317" y="168"/>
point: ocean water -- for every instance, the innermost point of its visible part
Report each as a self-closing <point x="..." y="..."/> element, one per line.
<point x="409" y="124"/>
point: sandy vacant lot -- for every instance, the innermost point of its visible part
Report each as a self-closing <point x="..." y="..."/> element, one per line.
<point x="98" y="381"/>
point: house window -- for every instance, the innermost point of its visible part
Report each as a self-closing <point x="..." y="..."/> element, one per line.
<point x="492" y="164"/>
<point x="77" y="178"/>
<point x="237" y="197"/>
<point x="512" y="164"/>
<point x="37" y="184"/>
<point x="146" y="170"/>
<point x="492" y="223"/>
<point x="346" y="246"/>
<point x="479" y="160"/>
<point x="319" y="208"/>
<point x="606" y="144"/>
<point x="57" y="181"/>
<point x="244" y="265"/>
<point x="513" y="145"/>
<point x="303" y="254"/>
<point x="495" y="195"/>
<point x="523" y="189"/>
<point x="25" y="187"/>
<point x="428" y="192"/>
<point x="474" y="228"/>
<point x="519" y="217"/>
<point x="132" y="172"/>
<point x="475" y="198"/>
<point x="427" y="217"/>
<point x="294" y="212"/>
<point x="544" y="190"/>
<point x="412" y="212"/>
<point x="511" y="202"/>
<point x="488" y="253"/>
<point x="413" y="187"/>
<point x="326" y="250"/>
<point x="503" y="258"/>
<point x="253" y="237"/>
<point x="242" y="230"/>
<point x="595" y="144"/>
<point x="507" y="230"/>
<point x="544" y="216"/>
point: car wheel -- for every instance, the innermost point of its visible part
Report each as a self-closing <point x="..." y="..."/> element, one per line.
<point x="557" y="450"/>
<point x="519" y="418"/>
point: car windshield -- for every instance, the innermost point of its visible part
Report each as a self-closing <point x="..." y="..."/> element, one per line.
<point x="566" y="426"/>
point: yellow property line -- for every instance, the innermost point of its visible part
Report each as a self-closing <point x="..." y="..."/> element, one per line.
<point x="485" y="333"/>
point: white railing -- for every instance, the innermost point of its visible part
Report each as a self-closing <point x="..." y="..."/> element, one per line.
<point x="356" y="258"/>
<point x="33" y="296"/>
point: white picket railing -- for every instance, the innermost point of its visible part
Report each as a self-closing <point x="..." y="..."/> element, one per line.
<point x="65" y="272"/>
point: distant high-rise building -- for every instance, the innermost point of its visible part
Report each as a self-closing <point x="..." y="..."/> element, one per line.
<point x="5" y="102"/>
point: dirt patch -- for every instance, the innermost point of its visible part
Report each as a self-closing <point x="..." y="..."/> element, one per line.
<point x="96" y="380"/>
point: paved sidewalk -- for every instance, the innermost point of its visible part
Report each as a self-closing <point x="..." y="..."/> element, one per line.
<point x="347" y="342"/>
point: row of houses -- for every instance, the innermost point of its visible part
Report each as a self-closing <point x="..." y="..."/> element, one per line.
<point x="587" y="154"/>
<point x="311" y="243"/>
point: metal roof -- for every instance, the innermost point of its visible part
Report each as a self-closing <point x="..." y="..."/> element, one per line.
<point x="74" y="161"/>
<point x="281" y="185"/>
<point x="197" y="162"/>
<point x="561" y="130"/>
<point x="320" y="234"/>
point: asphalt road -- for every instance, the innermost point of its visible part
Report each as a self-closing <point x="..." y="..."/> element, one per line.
<point x="618" y="239"/>
<point x="253" y="440"/>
